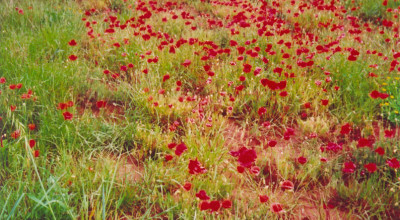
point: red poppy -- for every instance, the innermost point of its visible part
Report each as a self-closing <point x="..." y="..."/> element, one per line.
<point x="72" y="43"/>
<point x="36" y="153"/>
<point x="72" y="57"/>
<point x="16" y="134"/>
<point x="165" y="77"/>
<point x="393" y="163"/>
<point x="302" y="160"/>
<point x="187" y="186"/>
<point x="345" y="129"/>
<point x="324" y="101"/>
<point x="226" y="204"/>
<point x="2" y="80"/>
<point x="67" y="115"/>
<point x="32" y="143"/>
<point x="276" y="208"/>
<point x="214" y="206"/>
<point x="349" y="167"/>
<point x="186" y="63"/>
<point x="31" y="127"/>
<point x="380" y="151"/>
<point x="240" y="169"/>
<point x="371" y="167"/>
<point x="287" y="184"/>
<point x="168" y="157"/>
<point x="261" y="111"/>
<point x="195" y="167"/>
<point x="263" y="198"/>
<point x="204" y="205"/>
<point x="202" y="195"/>
<point x="101" y="104"/>
<point x="180" y="149"/>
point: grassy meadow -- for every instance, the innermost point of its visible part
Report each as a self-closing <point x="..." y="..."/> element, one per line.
<point x="199" y="109"/>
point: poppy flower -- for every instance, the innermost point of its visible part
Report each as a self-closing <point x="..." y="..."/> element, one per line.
<point x="202" y="195"/>
<point x="13" y="108"/>
<point x="380" y="151"/>
<point x="16" y="134"/>
<point x="186" y="63"/>
<point x="31" y="127"/>
<point x="287" y="185"/>
<point x="255" y="170"/>
<point x="272" y="143"/>
<point x="345" y="129"/>
<point x="214" y="206"/>
<point x="195" y="167"/>
<point x="165" y="77"/>
<point x="67" y="115"/>
<point x="349" y="167"/>
<point x="276" y="208"/>
<point x="72" y="57"/>
<point x="371" y="167"/>
<point x="204" y="205"/>
<point x="187" y="186"/>
<point x="32" y="143"/>
<point x="226" y="204"/>
<point x="72" y="43"/>
<point x="36" y="153"/>
<point x="2" y="80"/>
<point x="168" y="157"/>
<point x="263" y="198"/>
<point x="390" y="133"/>
<point x="324" y="101"/>
<point x="302" y="160"/>
<point x="247" y="157"/>
<point x="261" y="111"/>
<point x="393" y="163"/>
<point x="101" y="104"/>
<point x="180" y="149"/>
<point x="240" y="169"/>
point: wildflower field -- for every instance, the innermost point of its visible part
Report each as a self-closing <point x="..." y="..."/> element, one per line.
<point x="199" y="109"/>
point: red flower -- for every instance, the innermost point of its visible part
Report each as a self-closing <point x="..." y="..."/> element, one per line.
<point x="255" y="170"/>
<point x="380" y="151"/>
<point x="165" y="77"/>
<point x="261" y="111"/>
<point x="214" y="206"/>
<point x="226" y="204"/>
<point x="72" y="43"/>
<point x="187" y="186"/>
<point x="349" y="167"/>
<point x="32" y="143"/>
<point x="393" y="163"/>
<point x="202" y="195"/>
<point x="180" y="149"/>
<point x="72" y="57"/>
<point x="101" y="104"/>
<point x="36" y="153"/>
<point x="67" y="116"/>
<point x="2" y="80"/>
<point x="195" y="167"/>
<point x="31" y="127"/>
<point x="324" y="101"/>
<point x="276" y="208"/>
<point x="263" y="198"/>
<point x="247" y="68"/>
<point x="16" y="134"/>
<point x="247" y="157"/>
<point x="345" y="129"/>
<point x="362" y="142"/>
<point x="186" y="63"/>
<point x="13" y="107"/>
<point x="287" y="184"/>
<point x="204" y="205"/>
<point x="272" y="143"/>
<point x="390" y="133"/>
<point x="168" y="157"/>
<point x="240" y="169"/>
<point x="302" y="160"/>
<point x="371" y="167"/>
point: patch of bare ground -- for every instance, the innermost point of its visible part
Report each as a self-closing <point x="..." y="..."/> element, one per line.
<point x="109" y="110"/>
